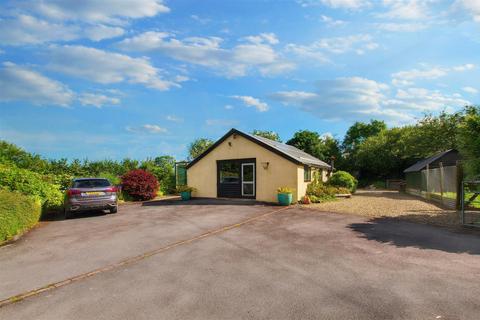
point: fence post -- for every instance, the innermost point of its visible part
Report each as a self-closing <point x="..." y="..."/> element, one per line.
<point x="459" y="185"/>
<point x="442" y="179"/>
<point x="428" y="182"/>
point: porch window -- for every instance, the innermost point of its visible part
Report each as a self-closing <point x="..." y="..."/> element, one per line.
<point x="307" y="173"/>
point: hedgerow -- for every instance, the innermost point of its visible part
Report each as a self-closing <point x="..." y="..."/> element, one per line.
<point x="43" y="187"/>
<point x="18" y="213"/>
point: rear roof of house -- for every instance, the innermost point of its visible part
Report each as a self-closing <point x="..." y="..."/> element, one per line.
<point x="289" y="152"/>
<point x="422" y="164"/>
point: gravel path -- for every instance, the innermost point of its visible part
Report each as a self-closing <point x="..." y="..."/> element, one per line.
<point x="382" y="203"/>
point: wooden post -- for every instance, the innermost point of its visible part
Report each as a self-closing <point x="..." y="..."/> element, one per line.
<point x="441" y="180"/>
<point x="458" y="201"/>
<point x="427" y="194"/>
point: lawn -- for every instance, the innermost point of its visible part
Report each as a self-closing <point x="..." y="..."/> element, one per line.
<point x="468" y="195"/>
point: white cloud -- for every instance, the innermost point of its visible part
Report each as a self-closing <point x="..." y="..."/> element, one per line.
<point x="406" y="9"/>
<point x="470" y="7"/>
<point x="25" y="29"/>
<point x="105" y="11"/>
<point x="173" y="118"/>
<point x="256" y="53"/>
<point x="331" y="22"/>
<point x="465" y="67"/>
<point x="97" y="100"/>
<point x="199" y="19"/>
<point x="343" y="4"/>
<point x="21" y="84"/>
<point x="228" y="107"/>
<point x="321" y="49"/>
<point x="147" y="128"/>
<point x="470" y="90"/>
<point x="270" y="38"/>
<point x="101" y="32"/>
<point x="401" y="27"/>
<point x="252" y="102"/>
<point x="403" y="78"/>
<point x="106" y="67"/>
<point x="421" y="99"/>
<point x="359" y="98"/>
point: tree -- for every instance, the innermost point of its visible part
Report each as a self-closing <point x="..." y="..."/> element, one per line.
<point x="360" y="131"/>
<point x="199" y="146"/>
<point x="309" y="142"/>
<point x="382" y="155"/>
<point x="333" y="149"/>
<point x="469" y="141"/>
<point x="163" y="168"/>
<point x="272" y="135"/>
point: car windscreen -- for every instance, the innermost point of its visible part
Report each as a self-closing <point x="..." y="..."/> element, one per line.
<point x="91" y="183"/>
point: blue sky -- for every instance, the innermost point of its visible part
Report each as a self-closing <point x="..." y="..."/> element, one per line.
<point x="141" y="78"/>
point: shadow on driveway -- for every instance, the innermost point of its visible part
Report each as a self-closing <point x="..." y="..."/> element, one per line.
<point x="58" y="216"/>
<point x="407" y="234"/>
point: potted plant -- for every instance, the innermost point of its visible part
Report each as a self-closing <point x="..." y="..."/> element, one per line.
<point x="284" y="196"/>
<point x="185" y="192"/>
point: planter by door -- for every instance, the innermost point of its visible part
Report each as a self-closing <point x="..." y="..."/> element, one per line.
<point x="185" y="195"/>
<point x="284" y="199"/>
<point x="236" y="178"/>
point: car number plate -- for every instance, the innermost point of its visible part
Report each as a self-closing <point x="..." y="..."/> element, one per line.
<point x="93" y="193"/>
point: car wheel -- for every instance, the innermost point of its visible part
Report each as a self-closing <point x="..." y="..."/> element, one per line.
<point x="114" y="210"/>
<point x="67" y="214"/>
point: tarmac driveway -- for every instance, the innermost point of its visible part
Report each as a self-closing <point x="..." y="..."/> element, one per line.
<point x="234" y="260"/>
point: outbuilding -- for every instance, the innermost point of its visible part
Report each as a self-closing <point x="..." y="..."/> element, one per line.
<point x="436" y="178"/>
<point x="241" y="165"/>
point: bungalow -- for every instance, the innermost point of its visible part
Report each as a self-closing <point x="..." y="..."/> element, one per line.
<point x="241" y="165"/>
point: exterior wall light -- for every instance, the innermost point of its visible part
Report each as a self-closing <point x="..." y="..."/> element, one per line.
<point x="265" y="165"/>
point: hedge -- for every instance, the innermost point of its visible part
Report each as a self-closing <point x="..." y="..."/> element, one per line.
<point x="31" y="183"/>
<point x="18" y="213"/>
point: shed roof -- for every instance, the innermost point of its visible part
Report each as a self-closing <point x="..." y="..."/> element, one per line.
<point x="422" y="164"/>
<point x="289" y="152"/>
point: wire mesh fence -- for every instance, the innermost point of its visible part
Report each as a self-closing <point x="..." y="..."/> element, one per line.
<point x="440" y="184"/>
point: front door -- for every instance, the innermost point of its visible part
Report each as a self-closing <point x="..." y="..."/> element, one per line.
<point x="236" y="178"/>
<point x="248" y="179"/>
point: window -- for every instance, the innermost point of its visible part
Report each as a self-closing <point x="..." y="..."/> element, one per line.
<point x="307" y="174"/>
<point x="91" y="183"/>
<point x="230" y="172"/>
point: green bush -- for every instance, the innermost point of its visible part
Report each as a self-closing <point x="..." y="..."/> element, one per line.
<point x="18" y="213"/>
<point x="34" y="184"/>
<point x="317" y="191"/>
<point x="343" y="179"/>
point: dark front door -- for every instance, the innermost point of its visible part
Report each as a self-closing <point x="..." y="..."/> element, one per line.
<point x="236" y="178"/>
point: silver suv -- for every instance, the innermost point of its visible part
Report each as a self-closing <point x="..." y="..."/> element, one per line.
<point x="90" y="194"/>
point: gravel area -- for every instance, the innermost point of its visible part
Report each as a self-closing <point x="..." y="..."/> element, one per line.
<point x="383" y="203"/>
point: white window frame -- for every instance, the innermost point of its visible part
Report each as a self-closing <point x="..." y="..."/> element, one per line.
<point x="248" y="182"/>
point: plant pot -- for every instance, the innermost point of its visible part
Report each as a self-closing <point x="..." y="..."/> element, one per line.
<point x="284" y="199"/>
<point x="186" y="195"/>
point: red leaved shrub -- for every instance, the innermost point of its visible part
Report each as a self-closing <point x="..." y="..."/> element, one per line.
<point x="140" y="184"/>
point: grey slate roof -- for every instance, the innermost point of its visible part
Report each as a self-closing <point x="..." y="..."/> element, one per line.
<point x="293" y="152"/>
<point x="422" y="164"/>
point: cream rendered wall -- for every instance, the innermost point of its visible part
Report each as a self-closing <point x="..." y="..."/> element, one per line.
<point x="302" y="185"/>
<point x="281" y="172"/>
